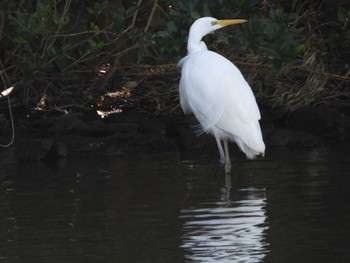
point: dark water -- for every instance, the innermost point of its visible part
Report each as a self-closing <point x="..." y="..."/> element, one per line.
<point x="292" y="206"/>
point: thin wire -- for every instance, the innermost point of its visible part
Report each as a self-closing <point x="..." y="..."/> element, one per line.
<point x="9" y="105"/>
<point x="12" y="124"/>
<point x="11" y="116"/>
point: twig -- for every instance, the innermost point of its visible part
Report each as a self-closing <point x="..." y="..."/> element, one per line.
<point x="121" y="54"/>
<point x="133" y="17"/>
<point x="327" y="74"/>
<point x="151" y="15"/>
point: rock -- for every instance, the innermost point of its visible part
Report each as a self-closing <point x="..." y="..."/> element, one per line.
<point x="67" y="124"/>
<point x="39" y="149"/>
<point x="58" y="149"/>
<point x="122" y="130"/>
<point x="8" y="155"/>
<point x="319" y="121"/>
<point x="32" y="149"/>
<point x="280" y="137"/>
<point x="284" y="137"/>
<point x="189" y="138"/>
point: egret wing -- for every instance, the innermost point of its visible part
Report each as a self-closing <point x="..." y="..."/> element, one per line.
<point x="184" y="102"/>
<point x="241" y="115"/>
<point x="211" y="85"/>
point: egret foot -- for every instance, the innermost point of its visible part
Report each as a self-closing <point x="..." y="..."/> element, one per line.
<point x="221" y="150"/>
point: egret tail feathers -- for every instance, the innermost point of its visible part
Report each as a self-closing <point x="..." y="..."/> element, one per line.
<point x="250" y="152"/>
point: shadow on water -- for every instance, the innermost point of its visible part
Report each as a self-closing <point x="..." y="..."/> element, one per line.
<point x="292" y="206"/>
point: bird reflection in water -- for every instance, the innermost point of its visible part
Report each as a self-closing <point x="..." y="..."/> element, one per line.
<point x="231" y="229"/>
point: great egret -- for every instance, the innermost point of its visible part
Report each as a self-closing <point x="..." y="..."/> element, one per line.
<point x="214" y="90"/>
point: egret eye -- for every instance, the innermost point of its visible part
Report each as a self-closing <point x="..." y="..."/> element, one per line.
<point x="213" y="23"/>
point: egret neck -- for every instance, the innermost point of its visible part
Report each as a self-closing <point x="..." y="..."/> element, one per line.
<point x="195" y="44"/>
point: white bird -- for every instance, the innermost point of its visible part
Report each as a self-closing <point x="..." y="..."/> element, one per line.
<point x="214" y="90"/>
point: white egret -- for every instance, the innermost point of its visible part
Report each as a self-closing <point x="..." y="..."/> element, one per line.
<point x="214" y="90"/>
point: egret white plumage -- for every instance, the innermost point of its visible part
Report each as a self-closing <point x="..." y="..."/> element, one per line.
<point x="214" y="90"/>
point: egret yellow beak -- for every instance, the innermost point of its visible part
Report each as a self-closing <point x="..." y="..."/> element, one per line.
<point x="229" y="22"/>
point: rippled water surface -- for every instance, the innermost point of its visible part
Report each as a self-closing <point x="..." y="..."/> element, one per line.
<point x="292" y="206"/>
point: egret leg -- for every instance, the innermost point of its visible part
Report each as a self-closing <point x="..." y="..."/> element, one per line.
<point x="228" y="159"/>
<point x="221" y="150"/>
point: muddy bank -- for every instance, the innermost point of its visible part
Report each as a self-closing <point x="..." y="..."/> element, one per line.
<point x="86" y="133"/>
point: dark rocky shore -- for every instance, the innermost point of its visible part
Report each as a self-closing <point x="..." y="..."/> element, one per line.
<point x="86" y="133"/>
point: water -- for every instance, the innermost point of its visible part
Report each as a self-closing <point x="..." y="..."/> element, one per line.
<point x="292" y="206"/>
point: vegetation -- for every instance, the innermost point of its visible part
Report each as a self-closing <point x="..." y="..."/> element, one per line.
<point x="67" y="55"/>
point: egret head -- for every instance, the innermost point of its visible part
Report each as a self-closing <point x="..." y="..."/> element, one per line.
<point x="206" y="25"/>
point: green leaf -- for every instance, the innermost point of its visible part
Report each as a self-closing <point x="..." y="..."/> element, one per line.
<point x="43" y="9"/>
<point x="195" y="15"/>
<point x="276" y="65"/>
<point x="299" y="48"/>
<point x="95" y="46"/>
<point x="171" y="26"/>
<point x="271" y="52"/>
<point x="341" y="14"/>
<point x="141" y="52"/>
<point x="272" y="14"/>
<point x="175" y="13"/>
<point x="131" y="10"/>
<point x="20" y="40"/>
<point x="164" y="34"/>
